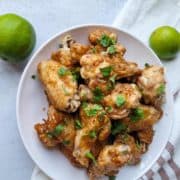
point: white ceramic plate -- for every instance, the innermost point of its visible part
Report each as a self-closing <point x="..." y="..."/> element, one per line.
<point x="31" y="100"/>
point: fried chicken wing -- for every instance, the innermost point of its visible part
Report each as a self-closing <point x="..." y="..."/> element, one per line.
<point x="70" y="52"/>
<point x="94" y="65"/>
<point x="123" y="98"/>
<point x="152" y="85"/>
<point x="58" y="128"/>
<point x="96" y="127"/>
<point x="141" y="118"/>
<point x="113" y="157"/>
<point x="61" y="88"/>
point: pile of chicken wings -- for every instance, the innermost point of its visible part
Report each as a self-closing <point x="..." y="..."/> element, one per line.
<point x="102" y="107"/>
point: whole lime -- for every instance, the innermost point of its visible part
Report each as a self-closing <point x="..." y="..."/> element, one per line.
<point x="17" y="38"/>
<point x="165" y="42"/>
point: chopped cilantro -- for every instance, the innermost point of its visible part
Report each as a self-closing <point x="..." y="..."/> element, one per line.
<point x="93" y="110"/>
<point x="106" y="41"/>
<point x="33" y="76"/>
<point x="101" y="116"/>
<point x="136" y="114"/>
<point x="58" y="130"/>
<point x="49" y="135"/>
<point x="106" y="71"/>
<point x="111" y="83"/>
<point x="161" y="89"/>
<point x="98" y="95"/>
<point x="90" y="156"/>
<point x="109" y="109"/>
<point x="120" y="100"/>
<point x="147" y="65"/>
<point x="111" y="49"/>
<point x="92" y="134"/>
<point x="65" y="90"/>
<point x="118" y="127"/>
<point x="78" y="124"/>
<point x="76" y="73"/>
<point x="63" y="71"/>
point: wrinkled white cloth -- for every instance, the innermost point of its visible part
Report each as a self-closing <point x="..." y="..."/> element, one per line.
<point x="140" y="18"/>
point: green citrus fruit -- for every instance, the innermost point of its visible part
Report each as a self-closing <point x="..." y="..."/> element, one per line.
<point x="17" y="38"/>
<point x="165" y="42"/>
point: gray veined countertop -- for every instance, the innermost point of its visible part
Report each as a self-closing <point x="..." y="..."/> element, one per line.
<point x="48" y="18"/>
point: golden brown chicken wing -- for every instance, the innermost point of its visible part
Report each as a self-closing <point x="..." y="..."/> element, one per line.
<point x="122" y="99"/>
<point x="152" y="85"/>
<point x="58" y="128"/>
<point x="70" y="52"/>
<point x="95" y="127"/>
<point x="113" y="157"/>
<point x="60" y="86"/>
<point x="141" y="118"/>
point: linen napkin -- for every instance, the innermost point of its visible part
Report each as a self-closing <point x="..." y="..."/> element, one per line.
<point x="141" y="17"/>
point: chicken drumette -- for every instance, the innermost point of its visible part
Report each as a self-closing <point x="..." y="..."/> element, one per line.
<point x="122" y="99"/>
<point x="152" y="85"/>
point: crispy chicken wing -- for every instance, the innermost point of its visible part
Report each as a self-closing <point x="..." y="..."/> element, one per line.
<point x="58" y="128"/>
<point x="141" y="118"/>
<point x="61" y="88"/>
<point x="113" y="157"/>
<point x="123" y="98"/>
<point x="70" y="52"/>
<point x="95" y="127"/>
<point x="96" y="66"/>
<point x="152" y="85"/>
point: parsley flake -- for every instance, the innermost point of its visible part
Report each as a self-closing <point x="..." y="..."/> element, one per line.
<point x="58" y="130"/>
<point x="118" y="127"/>
<point x="90" y="156"/>
<point x="111" y="50"/>
<point x="78" y="124"/>
<point x="161" y="89"/>
<point x="106" y="71"/>
<point x="136" y="114"/>
<point x="106" y="41"/>
<point x="93" y="110"/>
<point x="98" y="95"/>
<point x="63" y="71"/>
<point x="120" y="100"/>
<point x="92" y="134"/>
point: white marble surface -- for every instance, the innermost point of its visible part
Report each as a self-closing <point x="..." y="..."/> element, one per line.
<point x="48" y="17"/>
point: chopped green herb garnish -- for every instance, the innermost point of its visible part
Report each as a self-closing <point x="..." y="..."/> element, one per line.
<point x="76" y="73"/>
<point x="161" y="89"/>
<point x="109" y="109"/>
<point x="91" y="156"/>
<point x="136" y="114"/>
<point x="111" y="83"/>
<point x="98" y="95"/>
<point x="63" y="71"/>
<point x="84" y="105"/>
<point x="66" y="142"/>
<point x="93" y="110"/>
<point x="58" y="130"/>
<point x="92" y="134"/>
<point x="33" y="76"/>
<point x="138" y="144"/>
<point x="49" y="135"/>
<point x="106" y="71"/>
<point x="118" y="127"/>
<point x="112" y="177"/>
<point x="111" y="49"/>
<point x="106" y="41"/>
<point x="147" y="65"/>
<point x="120" y="100"/>
<point x="78" y="124"/>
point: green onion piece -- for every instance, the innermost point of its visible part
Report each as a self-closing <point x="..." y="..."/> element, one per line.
<point x="78" y="124"/>
<point x="106" y="71"/>
<point x="91" y="156"/>
<point x="161" y="89"/>
<point x="120" y="100"/>
<point x="92" y="134"/>
<point x="136" y="114"/>
<point x="111" y="50"/>
<point x="98" y="95"/>
<point x="106" y="41"/>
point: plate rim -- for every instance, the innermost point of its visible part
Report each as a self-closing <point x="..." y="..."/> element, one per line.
<point x="18" y="96"/>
